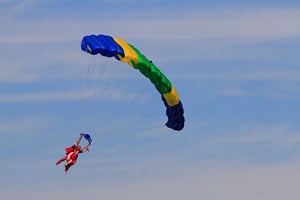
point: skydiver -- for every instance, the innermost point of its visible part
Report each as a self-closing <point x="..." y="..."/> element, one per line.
<point x="73" y="151"/>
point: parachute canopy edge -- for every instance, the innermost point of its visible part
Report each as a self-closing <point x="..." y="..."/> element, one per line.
<point x="114" y="47"/>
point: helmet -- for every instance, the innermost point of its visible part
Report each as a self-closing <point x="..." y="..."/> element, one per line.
<point x="78" y="147"/>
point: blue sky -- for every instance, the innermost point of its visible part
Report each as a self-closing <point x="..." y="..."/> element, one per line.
<point x="234" y="63"/>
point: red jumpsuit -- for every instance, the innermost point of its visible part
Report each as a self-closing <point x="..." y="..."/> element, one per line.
<point x="71" y="156"/>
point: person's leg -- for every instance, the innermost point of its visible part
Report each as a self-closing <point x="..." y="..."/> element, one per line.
<point x="69" y="164"/>
<point x="60" y="160"/>
<point x="67" y="167"/>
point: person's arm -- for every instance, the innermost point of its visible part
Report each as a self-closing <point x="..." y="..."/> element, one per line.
<point x="86" y="148"/>
<point x="77" y="142"/>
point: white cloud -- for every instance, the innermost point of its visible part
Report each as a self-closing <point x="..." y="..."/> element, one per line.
<point x="274" y="23"/>
<point x="24" y="4"/>
<point x="221" y="30"/>
<point x="280" y="135"/>
<point x="256" y="24"/>
<point x="227" y="182"/>
<point x="242" y="75"/>
<point x="233" y="91"/>
<point x="14" y="74"/>
<point x="4" y="1"/>
<point x="112" y="94"/>
<point x="29" y="125"/>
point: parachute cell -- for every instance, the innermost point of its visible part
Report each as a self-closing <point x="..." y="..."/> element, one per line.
<point x="121" y="50"/>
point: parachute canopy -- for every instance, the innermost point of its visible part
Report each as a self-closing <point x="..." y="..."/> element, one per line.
<point x="87" y="137"/>
<point x="114" y="47"/>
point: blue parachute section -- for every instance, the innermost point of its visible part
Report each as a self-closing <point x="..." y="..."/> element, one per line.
<point x="102" y="44"/>
<point x="175" y="115"/>
<point x="87" y="137"/>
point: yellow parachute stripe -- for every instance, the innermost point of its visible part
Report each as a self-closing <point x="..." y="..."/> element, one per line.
<point x="172" y="97"/>
<point x="130" y="54"/>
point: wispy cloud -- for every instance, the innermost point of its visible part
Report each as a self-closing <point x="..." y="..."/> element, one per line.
<point x="43" y="96"/>
<point x="21" y="130"/>
<point x="232" y="182"/>
<point x="282" y="135"/>
<point x="24" y="4"/>
<point x="11" y="8"/>
<point x="233" y="91"/>
<point x="273" y="83"/>
<point x="256" y="24"/>
<point x="248" y="24"/>
<point x="225" y="74"/>
<point x="18" y="74"/>
<point x="220" y="30"/>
